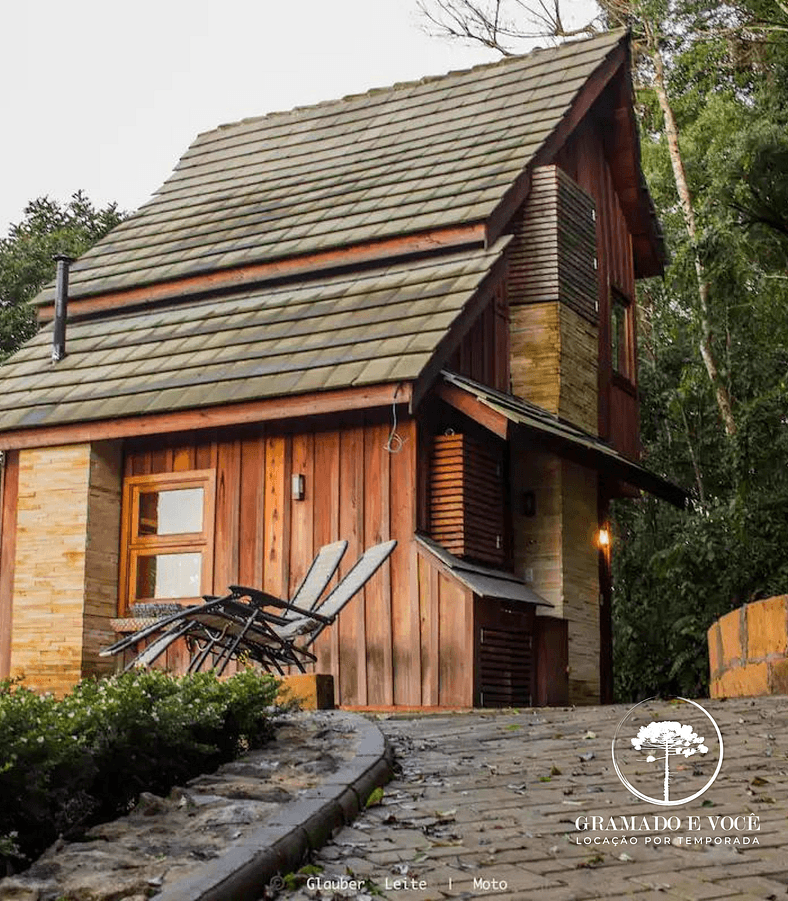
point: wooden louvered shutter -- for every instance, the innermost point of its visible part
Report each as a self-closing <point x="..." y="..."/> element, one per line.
<point x="504" y="653"/>
<point x="506" y="665"/>
<point x="466" y="498"/>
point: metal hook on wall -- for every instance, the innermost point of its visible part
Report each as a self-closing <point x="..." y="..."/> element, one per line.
<point x="394" y="442"/>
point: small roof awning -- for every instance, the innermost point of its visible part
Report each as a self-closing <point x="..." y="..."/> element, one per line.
<point x="482" y="580"/>
<point x="496" y="411"/>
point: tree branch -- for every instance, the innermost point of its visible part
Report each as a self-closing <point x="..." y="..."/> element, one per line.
<point x="485" y="22"/>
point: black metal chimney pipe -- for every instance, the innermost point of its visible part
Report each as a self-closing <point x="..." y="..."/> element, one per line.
<point x="61" y="307"/>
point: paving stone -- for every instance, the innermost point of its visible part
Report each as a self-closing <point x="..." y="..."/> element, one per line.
<point x="468" y="763"/>
<point x="698" y="891"/>
<point x="756" y="885"/>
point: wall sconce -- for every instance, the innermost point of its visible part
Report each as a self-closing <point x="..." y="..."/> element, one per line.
<point x="298" y="487"/>
<point x="603" y="538"/>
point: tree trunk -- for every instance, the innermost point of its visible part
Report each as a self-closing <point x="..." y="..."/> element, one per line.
<point x="680" y="177"/>
<point x="667" y="770"/>
<point x="693" y="456"/>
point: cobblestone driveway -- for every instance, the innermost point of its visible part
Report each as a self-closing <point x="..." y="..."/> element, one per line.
<point x="486" y="804"/>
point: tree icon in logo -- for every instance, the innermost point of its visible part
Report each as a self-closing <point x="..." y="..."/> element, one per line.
<point x="668" y="738"/>
<point x="661" y="737"/>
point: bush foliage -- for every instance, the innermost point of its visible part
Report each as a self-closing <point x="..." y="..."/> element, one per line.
<point x="67" y="764"/>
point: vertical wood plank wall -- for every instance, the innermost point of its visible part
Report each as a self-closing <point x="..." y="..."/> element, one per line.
<point x="483" y="353"/>
<point x="446" y="626"/>
<point x="356" y="490"/>
<point x="584" y="159"/>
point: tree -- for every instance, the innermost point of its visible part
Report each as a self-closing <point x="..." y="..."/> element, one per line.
<point x="496" y="23"/>
<point x="26" y="263"/>
<point x="672" y="738"/>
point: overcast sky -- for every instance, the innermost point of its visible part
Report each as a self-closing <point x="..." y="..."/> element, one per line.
<point x="103" y="97"/>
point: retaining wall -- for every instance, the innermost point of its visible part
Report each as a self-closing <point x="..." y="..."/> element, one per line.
<point x="748" y="650"/>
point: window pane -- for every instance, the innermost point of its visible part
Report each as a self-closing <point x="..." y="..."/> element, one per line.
<point x="174" y="512"/>
<point x="618" y="336"/>
<point x="169" y="576"/>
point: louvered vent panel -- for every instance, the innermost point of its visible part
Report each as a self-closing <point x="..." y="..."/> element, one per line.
<point x="466" y="499"/>
<point x="554" y="248"/>
<point x="505" y="659"/>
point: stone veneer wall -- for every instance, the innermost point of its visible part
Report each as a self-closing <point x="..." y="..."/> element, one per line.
<point x="748" y="650"/>
<point x="66" y="564"/>
<point x="557" y="548"/>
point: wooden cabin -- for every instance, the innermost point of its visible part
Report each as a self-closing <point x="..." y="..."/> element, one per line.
<point x="405" y="314"/>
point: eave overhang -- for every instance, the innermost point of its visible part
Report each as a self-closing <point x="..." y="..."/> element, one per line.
<point x="482" y="580"/>
<point x="500" y="413"/>
<point x="609" y="93"/>
<point x="278" y="409"/>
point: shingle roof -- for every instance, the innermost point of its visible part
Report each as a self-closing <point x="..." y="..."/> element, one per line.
<point x="437" y="152"/>
<point x="378" y="325"/>
<point x="484" y="580"/>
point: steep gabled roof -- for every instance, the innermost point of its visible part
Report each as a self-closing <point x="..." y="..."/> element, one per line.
<point x="334" y="247"/>
<point x="414" y="157"/>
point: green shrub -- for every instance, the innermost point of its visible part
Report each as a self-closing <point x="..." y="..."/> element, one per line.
<point x="65" y="765"/>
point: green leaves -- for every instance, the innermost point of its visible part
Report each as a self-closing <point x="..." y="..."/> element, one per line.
<point x="675" y="573"/>
<point x="26" y="263"/>
<point x="67" y="764"/>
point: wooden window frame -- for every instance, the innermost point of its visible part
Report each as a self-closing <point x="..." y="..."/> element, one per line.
<point x="134" y="546"/>
<point x="622" y="363"/>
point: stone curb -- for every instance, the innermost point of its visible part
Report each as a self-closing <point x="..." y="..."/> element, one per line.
<point x="280" y="845"/>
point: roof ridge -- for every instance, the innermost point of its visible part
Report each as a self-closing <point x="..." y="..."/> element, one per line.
<point x="419" y="156"/>
<point x="402" y="85"/>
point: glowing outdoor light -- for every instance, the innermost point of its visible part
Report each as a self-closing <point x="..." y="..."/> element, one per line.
<point x="603" y="538"/>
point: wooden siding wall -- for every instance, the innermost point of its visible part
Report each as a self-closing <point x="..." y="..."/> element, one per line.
<point x="446" y="636"/>
<point x="584" y="159"/>
<point x="504" y="659"/>
<point x="483" y="354"/>
<point x="552" y="255"/>
<point x="356" y="490"/>
<point x="466" y="498"/>
<point x="553" y="294"/>
<point x="551" y="643"/>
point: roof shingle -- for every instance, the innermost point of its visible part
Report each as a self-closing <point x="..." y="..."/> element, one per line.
<point x="379" y="325"/>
